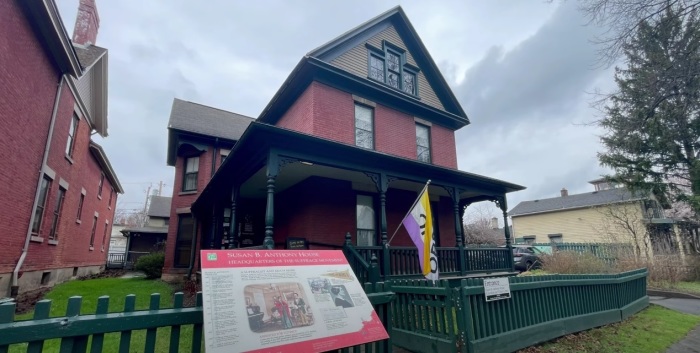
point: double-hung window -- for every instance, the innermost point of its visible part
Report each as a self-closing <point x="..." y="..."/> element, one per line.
<point x="364" y="126"/>
<point x="99" y="187"/>
<point x="366" y="221"/>
<point x="423" y="142"/>
<point x="57" y="213"/>
<point x="92" y="233"/>
<point x="70" y="143"/>
<point x="189" y="182"/>
<point x="41" y="205"/>
<point x="388" y="65"/>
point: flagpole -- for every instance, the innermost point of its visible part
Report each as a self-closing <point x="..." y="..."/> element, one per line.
<point x="409" y="211"/>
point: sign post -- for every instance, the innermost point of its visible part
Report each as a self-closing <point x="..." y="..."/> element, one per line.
<point x="284" y="301"/>
<point x="496" y="288"/>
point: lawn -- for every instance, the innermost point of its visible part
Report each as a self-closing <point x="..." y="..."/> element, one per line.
<point x="652" y="330"/>
<point x="117" y="289"/>
<point x="685" y="287"/>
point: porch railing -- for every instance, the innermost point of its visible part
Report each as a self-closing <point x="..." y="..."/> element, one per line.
<point x="125" y="261"/>
<point x="397" y="262"/>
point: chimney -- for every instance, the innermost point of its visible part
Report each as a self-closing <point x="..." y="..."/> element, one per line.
<point x="494" y="223"/>
<point x="564" y="192"/>
<point x="86" y="23"/>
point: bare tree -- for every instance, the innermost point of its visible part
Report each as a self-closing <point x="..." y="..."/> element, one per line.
<point x="621" y="19"/>
<point x="129" y="216"/>
<point x="624" y="223"/>
<point x="479" y="225"/>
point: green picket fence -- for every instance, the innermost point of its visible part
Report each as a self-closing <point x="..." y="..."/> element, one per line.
<point x="542" y="308"/>
<point x="154" y="330"/>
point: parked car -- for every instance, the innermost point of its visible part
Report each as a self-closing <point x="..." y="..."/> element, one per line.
<point x="526" y="257"/>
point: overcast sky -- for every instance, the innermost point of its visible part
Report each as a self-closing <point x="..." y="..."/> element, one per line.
<point x="523" y="71"/>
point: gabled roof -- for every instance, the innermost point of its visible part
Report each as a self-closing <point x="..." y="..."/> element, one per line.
<point x="88" y="55"/>
<point x="46" y="21"/>
<point x="208" y="121"/>
<point x="106" y="167"/>
<point x="159" y="206"/>
<point x="396" y="17"/>
<point x="589" y="199"/>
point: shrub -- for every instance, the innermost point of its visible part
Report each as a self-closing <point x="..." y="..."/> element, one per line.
<point x="151" y="264"/>
<point x="571" y="262"/>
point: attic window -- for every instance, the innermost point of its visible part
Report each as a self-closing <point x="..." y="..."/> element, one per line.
<point x="389" y="66"/>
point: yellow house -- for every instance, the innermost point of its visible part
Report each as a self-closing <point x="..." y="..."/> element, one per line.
<point x="607" y="214"/>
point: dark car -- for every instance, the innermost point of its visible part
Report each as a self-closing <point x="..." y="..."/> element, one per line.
<point x="525" y="257"/>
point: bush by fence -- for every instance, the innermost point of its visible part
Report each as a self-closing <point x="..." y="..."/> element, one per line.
<point x="151" y="265"/>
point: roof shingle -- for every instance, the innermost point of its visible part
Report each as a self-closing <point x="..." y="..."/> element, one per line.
<point x="160" y="206"/>
<point x="588" y="199"/>
<point x="88" y="55"/>
<point x="201" y="119"/>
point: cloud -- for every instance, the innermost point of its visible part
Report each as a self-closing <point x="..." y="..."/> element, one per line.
<point x="526" y="105"/>
<point x="520" y="69"/>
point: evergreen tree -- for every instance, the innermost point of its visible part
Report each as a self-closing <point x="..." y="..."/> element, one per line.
<point x="652" y="124"/>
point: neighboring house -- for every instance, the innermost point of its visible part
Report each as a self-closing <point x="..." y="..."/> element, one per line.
<point x="151" y="237"/>
<point x="345" y="146"/>
<point x="58" y="188"/>
<point x="117" y="240"/>
<point x="607" y="214"/>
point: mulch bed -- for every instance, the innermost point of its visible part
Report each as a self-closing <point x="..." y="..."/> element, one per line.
<point x="111" y="273"/>
<point x="26" y="301"/>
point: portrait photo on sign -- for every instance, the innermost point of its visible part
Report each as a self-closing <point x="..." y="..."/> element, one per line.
<point x="277" y="306"/>
<point x="341" y="297"/>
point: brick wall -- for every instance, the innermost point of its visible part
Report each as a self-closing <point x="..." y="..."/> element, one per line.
<point x="81" y="171"/>
<point x="319" y="217"/>
<point x="26" y="101"/>
<point x="330" y="113"/>
<point x="185" y="199"/>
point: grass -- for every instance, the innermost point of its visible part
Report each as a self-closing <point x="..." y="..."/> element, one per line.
<point x="685" y="287"/>
<point x="652" y="330"/>
<point x="117" y="289"/>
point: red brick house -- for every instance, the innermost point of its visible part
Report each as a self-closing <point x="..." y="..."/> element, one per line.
<point x="344" y="146"/>
<point x="58" y="188"/>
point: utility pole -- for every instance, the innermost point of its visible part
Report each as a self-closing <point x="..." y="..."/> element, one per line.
<point x="160" y="188"/>
<point x="145" y="207"/>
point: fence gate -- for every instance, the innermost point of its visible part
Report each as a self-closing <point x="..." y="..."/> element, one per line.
<point x="427" y="317"/>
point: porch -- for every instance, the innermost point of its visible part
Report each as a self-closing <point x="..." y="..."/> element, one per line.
<point x="278" y="184"/>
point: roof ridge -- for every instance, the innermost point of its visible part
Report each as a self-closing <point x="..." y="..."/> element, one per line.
<point x="214" y="108"/>
<point x="579" y="194"/>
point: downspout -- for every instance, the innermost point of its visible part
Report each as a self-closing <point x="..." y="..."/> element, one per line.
<point x="14" y="289"/>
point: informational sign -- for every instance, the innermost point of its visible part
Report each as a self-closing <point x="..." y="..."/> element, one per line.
<point x="284" y="301"/>
<point x="496" y="288"/>
<point x="297" y="244"/>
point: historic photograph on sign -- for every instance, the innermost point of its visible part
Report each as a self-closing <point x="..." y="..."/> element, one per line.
<point x="341" y="297"/>
<point x="320" y="285"/>
<point x="277" y="306"/>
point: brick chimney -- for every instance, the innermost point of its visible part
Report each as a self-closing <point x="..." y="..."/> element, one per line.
<point x="87" y="23"/>
<point x="564" y="192"/>
<point x="494" y="223"/>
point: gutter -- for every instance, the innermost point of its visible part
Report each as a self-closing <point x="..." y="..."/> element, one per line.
<point x="194" y="247"/>
<point x="14" y="289"/>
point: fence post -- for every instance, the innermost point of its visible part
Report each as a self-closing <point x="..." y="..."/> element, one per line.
<point x="465" y="331"/>
<point x="374" y="276"/>
<point x="386" y="262"/>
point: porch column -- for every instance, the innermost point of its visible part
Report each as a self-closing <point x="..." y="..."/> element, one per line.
<point x="383" y="187"/>
<point x="214" y="227"/>
<point x="233" y="225"/>
<point x="503" y="205"/>
<point x="272" y="171"/>
<point x="459" y="235"/>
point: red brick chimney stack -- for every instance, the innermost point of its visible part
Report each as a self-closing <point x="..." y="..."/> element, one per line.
<point x="87" y="23"/>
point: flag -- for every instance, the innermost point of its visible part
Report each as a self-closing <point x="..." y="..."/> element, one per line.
<point x="419" y="224"/>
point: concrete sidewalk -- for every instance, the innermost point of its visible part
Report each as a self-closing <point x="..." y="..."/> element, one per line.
<point x="691" y="342"/>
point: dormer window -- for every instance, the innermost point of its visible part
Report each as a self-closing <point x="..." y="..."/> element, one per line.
<point x="389" y="66"/>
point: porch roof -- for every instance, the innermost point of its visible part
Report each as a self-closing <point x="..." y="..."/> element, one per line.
<point x="250" y="154"/>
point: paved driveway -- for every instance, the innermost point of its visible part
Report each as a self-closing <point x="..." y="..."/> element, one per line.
<point x="688" y="306"/>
